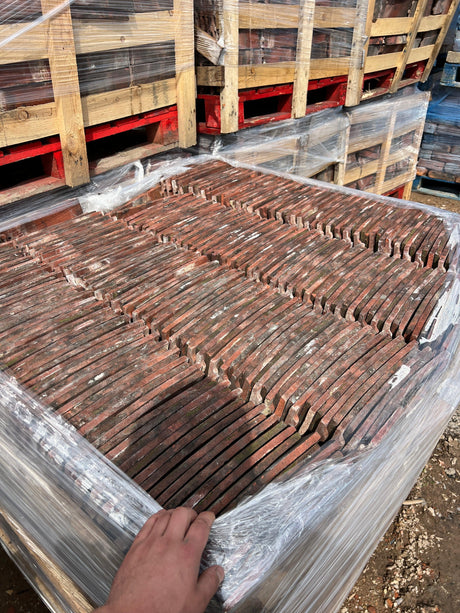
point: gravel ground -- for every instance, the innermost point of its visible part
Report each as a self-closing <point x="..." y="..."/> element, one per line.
<point x="415" y="568"/>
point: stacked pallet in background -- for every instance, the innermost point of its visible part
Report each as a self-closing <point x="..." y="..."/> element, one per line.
<point x="260" y="62"/>
<point x="451" y="71"/>
<point x="439" y="163"/>
<point x="384" y="143"/>
<point x="372" y="147"/>
<point x="402" y="41"/>
<point x="314" y="146"/>
<point x="263" y="61"/>
<point x="69" y="76"/>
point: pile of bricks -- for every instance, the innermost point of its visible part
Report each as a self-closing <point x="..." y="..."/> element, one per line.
<point x="224" y="328"/>
<point x="440" y="150"/>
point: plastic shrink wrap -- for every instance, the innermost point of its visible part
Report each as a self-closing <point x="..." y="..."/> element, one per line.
<point x="75" y="71"/>
<point x="257" y="62"/>
<point x="298" y="543"/>
<point x="373" y="147"/>
<point x="440" y="149"/>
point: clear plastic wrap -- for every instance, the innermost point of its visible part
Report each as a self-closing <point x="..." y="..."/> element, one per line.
<point x="257" y="62"/>
<point x="384" y="142"/>
<point x="312" y="146"/>
<point x="373" y="147"/>
<point x="66" y="67"/>
<point x="296" y="545"/>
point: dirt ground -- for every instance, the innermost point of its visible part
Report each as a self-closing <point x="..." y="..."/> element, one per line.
<point x="415" y="568"/>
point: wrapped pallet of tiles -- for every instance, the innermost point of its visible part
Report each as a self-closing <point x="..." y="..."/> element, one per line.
<point x="74" y="72"/>
<point x="281" y="351"/>
<point x="439" y="163"/>
<point x="373" y="147"/>
<point x="384" y="143"/>
<point x="261" y="62"/>
<point x="314" y="146"/>
<point x="402" y="41"/>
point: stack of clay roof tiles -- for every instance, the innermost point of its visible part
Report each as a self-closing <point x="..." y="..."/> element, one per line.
<point x="210" y="334"/>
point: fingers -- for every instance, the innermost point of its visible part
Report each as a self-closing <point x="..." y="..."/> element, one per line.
<point x="146" y="529"/>
<point x="180" y="521"/>
<point x="198" y="533"/>
<point x="162" y="519"/>
<point x="208" y="584"/>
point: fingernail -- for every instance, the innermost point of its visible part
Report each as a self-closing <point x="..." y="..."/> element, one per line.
<point x="220" y="573"/>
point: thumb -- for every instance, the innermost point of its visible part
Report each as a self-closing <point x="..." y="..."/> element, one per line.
<point x="208" y="584"/>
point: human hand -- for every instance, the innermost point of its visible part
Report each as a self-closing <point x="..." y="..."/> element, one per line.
<point x="160" y="573"/>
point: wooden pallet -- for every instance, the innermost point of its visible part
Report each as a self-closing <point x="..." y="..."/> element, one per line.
<point x="451" y="71"/>
<point x="384" y="142"/>
<point x="63" y="42"/>
<point x="36" y="167"/>
<point x="229" y="71"/>
<point x="52" y="583"/>
<point x="402" y="41"/>
<point x="373" y="147"/>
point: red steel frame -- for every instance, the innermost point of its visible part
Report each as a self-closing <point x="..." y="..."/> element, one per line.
<point x="384" y="78"/>
<point x="49" y="149"/>
<point x="334" y="95"/>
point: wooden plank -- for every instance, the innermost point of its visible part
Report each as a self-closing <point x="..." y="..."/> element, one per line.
<point x="38" y="121"/>
<point x="432" y="22"/>
<point x="262" y="75"/>
<point x="16" y="539"/>
<point x="208" y="47"/>
<point x="260" y="16"/>
<point x="394" y="183"/>
<point x="416" y="20"/>
<point x="185" y="72"/>
<point x="354" y="174"/>
<point x="303" y="53"/>
<point x="442" y="33"/>
<point x="384" y="154"/>
<point x="407" y="191"/>
<point x="230" y="85"/>
<point x="359" y="47"/>
<point x="26" y="190"/>
<point x="390" y="26"/>
<point x="64" y="76"/>
<point x="453" y="57"/>
<point x="27" y="123"/>
<point x="340" y="167"/>
<point x="89" y="36"/>
<point x="108" y="106"/>
<point x="129" y="155"/>
<point x="139" y="29"/>
<point x="421" y="53"/>
<point x="374" y="63"/>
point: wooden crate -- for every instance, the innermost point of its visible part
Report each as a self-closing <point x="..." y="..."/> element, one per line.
<point x="402" y="41"/>
<point x="312" y="147"/>
<point x="245" y="45"/>
<point x="88" y="69"/>
<point x="373" y="147"/>
<point x="384" y="143"/>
